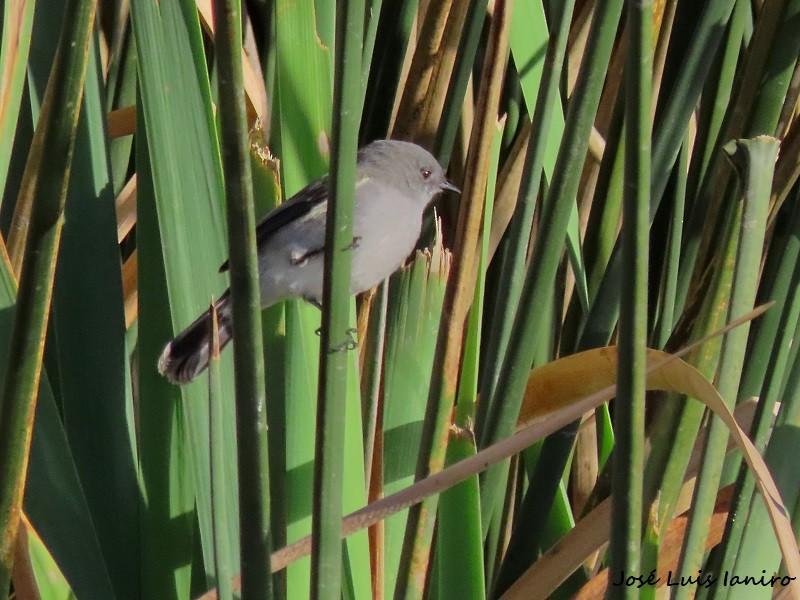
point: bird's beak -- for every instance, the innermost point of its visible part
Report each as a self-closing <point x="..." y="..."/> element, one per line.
<point x="449" y="186"/>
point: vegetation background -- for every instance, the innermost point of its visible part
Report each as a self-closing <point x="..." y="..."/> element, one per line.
<point x="629" y="175"/>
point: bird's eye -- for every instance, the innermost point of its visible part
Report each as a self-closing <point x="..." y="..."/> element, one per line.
<point x="425" y="173"/>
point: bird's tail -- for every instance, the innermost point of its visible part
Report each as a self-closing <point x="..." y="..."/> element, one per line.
<point x="186" y="356"/>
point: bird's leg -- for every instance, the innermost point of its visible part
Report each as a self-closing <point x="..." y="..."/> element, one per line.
<point x="313" y="301"/>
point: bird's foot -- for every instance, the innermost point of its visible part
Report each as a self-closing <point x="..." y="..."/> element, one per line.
<point x="355" y="243"/>
<point x="348" y="344"/>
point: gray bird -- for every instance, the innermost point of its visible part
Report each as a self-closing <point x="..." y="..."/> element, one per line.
<point x="395" y="182"/>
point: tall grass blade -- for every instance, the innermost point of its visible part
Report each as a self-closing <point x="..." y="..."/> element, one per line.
<point x="416" y="294"/>
<point x="767" y="374"/>
<point x="53" y="145"/>
<point x="326" y="556"/>
<point x="626" y="487"/>
<point x="248" y="357"/>
<point x="396" y="23"/>
<point x="428" y="82"/>
<point x="180" y="236"/>
<point x="301" y="130"/>
<point x="755" y="161"/>
<point x="668" y="310"/>
<point x="539" y="158"/>
<point x="540" y="276"/>
<point x="216" y="436"/>
<point x="14" y="47"/>
<point x="303" y="81"/>
<point x="121" y="149"/>
<point x="458" y="298"/>
<point x="711" y="136"/>
<point x="474" y="19"/>
<point x="751" y="113"/>
<point x="545" y="413"/>
<point x="168" y="498"/>
<point x="303" y="86"/>
<point x="546" y="115"/>
<point x="42" y="577"/>
<point x="674" y="429"/>
<point x="54" y="500"/>
<point x="87" y="341"/>
<point x="459" y="543"/>
<point x="758" y="549"/>
<point x="673" y="113"/>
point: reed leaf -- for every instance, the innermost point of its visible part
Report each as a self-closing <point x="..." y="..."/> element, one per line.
<point x="248" y="358"/>
<point x="14" y="47"/>
<point x="415" y="300"/>
<point x="53" y="145"/>
<point x="755" y="161"/>
<point x="539" y="281"/>
<point x="626" y="491"/>
<point x="458" y="297"/>
<point x="333" y="374"/>
<point x="119" y="484"/>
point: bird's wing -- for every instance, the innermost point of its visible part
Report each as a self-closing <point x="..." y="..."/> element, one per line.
<point x="299" y="209"/>
<point x="299" y="205"/>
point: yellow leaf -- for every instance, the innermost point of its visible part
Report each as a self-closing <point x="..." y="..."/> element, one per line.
<point x="588" y="379"/>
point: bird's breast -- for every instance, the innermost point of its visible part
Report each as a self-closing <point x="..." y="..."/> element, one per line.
<point x="386" y="233"/>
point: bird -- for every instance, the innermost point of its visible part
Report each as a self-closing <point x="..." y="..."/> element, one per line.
<point x="395" y="182"/>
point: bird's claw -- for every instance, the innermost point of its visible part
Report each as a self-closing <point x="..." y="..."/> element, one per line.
<point x="348" y="344"/>
<point x="314" y="301"/>
<point x="354" y="244"/>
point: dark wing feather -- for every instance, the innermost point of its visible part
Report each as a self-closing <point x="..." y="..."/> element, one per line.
<point x="314" y="194"/>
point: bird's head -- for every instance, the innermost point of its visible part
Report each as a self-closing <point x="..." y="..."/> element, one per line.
<point x="407" y="167"/>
